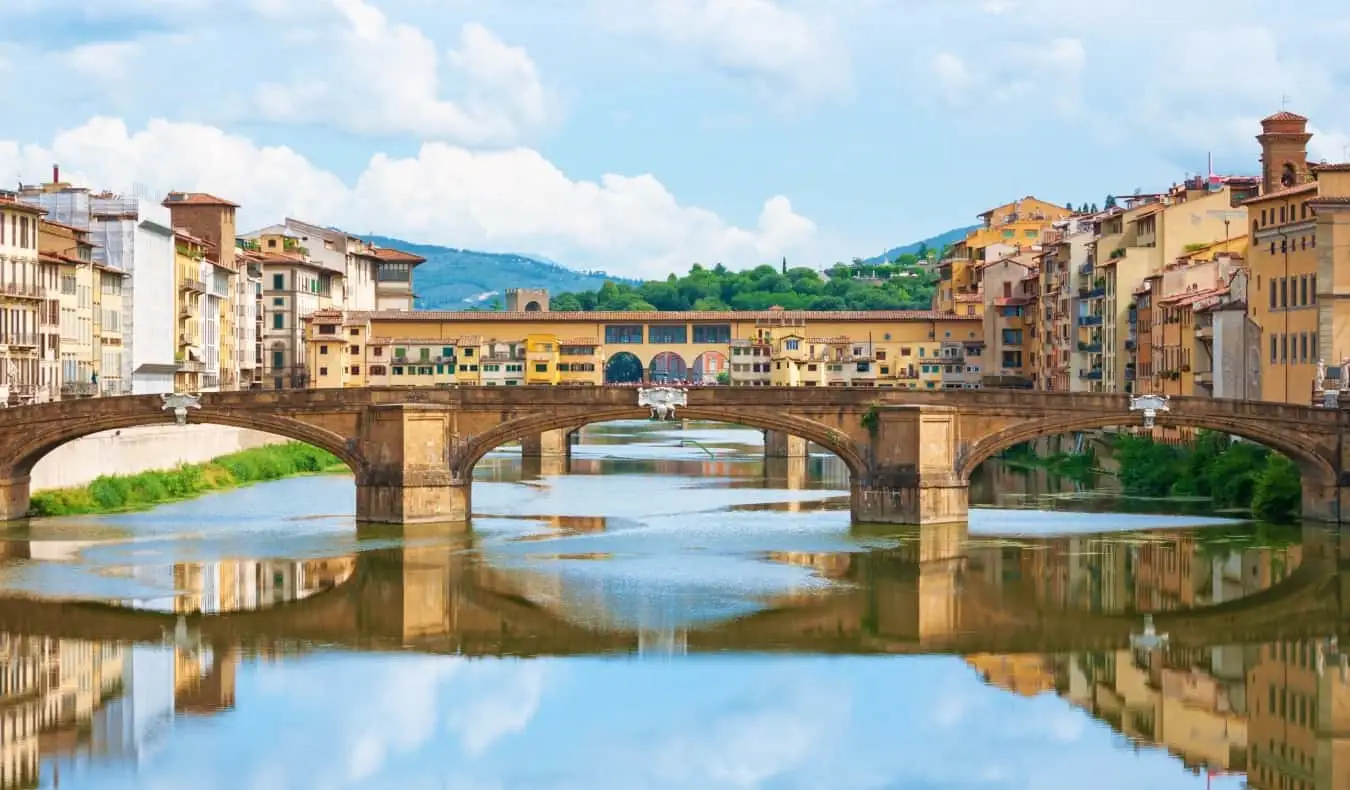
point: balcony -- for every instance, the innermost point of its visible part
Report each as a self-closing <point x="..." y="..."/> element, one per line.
<point x="192" y="284"/>
<point x="23" y="290"/>
<point x="20" y="340"/>
<point x="187" y="340"/>
<point x="191" y="366"/>
<point x="1090" y="374"/>
<point x="1129" y="372"/>
<point x="1131" y="344"/>
<point x="79" y="389"/>
<point x="1204" y="332"/>
<point x="1086" y="269"/>
<point x="1089" y="320"/>
<point x="1094" y="347"/>
<point x="1204" y="377"/>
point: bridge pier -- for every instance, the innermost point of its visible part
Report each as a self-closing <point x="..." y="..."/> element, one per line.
<point x="14" y="491"/>
<point x="778" y="444"/>
<point x="1325" y="503"/>
<point x="911" y="461"/>
<point x="548" y="444"/>
<point x="405" y="477"/>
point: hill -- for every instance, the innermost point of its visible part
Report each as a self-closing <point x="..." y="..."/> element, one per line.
<point x="454" y="279"/>
<point x="933" y="243"/>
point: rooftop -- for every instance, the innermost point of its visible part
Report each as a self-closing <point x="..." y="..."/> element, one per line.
<point x="1283" y="115"/>
<point x="1297" y="189"/>
<point x="195" y="199"/>
<point x="396" y="256"/>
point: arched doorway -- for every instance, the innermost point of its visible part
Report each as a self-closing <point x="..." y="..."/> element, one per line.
<point x="668" y="367"/>
<point x="623" y="368"/>
<point x="532" y="307"/>
<point x="710" y="367"/>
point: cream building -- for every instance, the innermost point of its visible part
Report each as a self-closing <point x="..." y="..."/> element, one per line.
<point x="23" y="296"/>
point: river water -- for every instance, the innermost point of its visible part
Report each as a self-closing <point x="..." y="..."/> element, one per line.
<point x="669" y="610"/>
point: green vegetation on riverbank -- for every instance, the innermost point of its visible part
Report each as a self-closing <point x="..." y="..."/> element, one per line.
<point x="1232" y="474"/>
<point x="904" y="285"/>
<point x="122" y="493"/>
<point x="1078" y="467"/>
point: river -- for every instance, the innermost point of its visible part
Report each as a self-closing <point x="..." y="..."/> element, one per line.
<point x="668" y="610"/>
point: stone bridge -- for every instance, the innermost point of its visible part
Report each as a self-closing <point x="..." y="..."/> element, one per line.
<point x="909" y="453"/>
<point x="921" y="598"/>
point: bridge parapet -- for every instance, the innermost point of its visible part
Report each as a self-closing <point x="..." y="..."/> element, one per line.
<point x="909" y="453"/>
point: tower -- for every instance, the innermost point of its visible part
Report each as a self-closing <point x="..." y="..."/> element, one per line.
<point x="1284" y="151"/>
<point x="526" y="300"/>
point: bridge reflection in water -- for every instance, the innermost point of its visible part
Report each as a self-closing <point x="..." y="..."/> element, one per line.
<point x="1249" y="679"/>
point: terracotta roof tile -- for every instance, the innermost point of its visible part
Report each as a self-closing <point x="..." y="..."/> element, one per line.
<point x="14" y="204"/>
<point x="1329" y="201"/>
<point x="195" y="199"/>
<point x="1298" y="189"/>
<point x="1283" y="115"/>
<point x="396" y="256"/>
<point x="1332" y="167"/>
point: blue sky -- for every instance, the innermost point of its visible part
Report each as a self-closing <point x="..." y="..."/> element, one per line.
<point x="712" y="722"/>
<point x="641" y="136"/>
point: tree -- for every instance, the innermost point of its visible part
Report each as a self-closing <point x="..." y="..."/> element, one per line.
<point x="1069" y="207"/>
<point x="784" y="265"/>
<point x="1279" y="491"/>
<point x="1094" y="208"/>
<point x="1110" y="202"/>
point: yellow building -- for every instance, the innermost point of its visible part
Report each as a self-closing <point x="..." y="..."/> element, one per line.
<point x="914" y="349"/>
<point x="1005" y="230"/>
<point x="799" y="361"/>
<point x="1300" y="261"/>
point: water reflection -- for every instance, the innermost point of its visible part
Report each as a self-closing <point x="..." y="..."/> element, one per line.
<point x="272" y="649"/>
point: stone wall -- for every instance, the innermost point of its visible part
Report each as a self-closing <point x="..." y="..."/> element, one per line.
<point x="133" y="450"/>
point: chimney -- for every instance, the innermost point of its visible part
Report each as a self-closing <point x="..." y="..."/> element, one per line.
<point x="56" y="174"/>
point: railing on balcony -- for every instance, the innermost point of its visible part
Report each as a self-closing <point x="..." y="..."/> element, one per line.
<point x="1094" y="347"/>
<point x="1086" y="269"/>
<point x="1204" y="332"/>
<point x="79" y="389"/>
<point x="1130" y="344"/>
<point x="1090" y="374"/>
<point x="20" y="339"/>
<point x="191" y="366"/>
<point x="192" y="284"/>
<point x="23" y="290"/>
<point x="1089" y="320"/>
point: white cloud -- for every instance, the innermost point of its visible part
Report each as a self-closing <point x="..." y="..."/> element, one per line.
<point x="385" y="78"/>
<point x="791" y="55"/>
<point x="499" y="200"/>
<point x="1046" y="75"/>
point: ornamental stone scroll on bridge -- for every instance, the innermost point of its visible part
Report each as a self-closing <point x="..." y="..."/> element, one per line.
<point x="1150" y="405"/>
<point x="179" y="403"/>
<point x="663" y="401"/>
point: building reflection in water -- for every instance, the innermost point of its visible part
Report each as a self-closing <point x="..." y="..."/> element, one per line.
<point x="1278" y="711"/>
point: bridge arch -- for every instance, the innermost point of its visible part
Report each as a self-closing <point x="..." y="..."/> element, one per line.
<point x="1316" y="468"/>
<point x="668" y="367"/>
<point x="44" y="442"/>
<point x="624" y="367"/>
<point x="467" y="456"/>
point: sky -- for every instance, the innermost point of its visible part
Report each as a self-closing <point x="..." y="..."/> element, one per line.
<point x="640" y="136"/>
<point x="712" y="722"/>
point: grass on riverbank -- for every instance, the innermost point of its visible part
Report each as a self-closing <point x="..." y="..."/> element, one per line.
<point x="123" y="493"/>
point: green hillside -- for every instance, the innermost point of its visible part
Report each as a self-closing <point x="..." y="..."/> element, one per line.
<point x="935" y="243"/>
<point x="454" y="279"/>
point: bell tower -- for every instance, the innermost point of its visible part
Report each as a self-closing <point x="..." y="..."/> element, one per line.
<point x="1284" y="151"/>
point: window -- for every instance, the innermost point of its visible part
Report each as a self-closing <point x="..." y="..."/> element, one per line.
<point x="355" y="332"/>
<point x="468" y="352"/>
<point x="1008" y="234"/>
<point x="541" y="367"/>
<point x="667" y="334"/>
<point x="424" y="354"/>
<point x="278" y="320"/>
<point x="278" y="360"/>
<point x="1273" y="290"/>
<point x="1302" y="346"/>
<point x="323" y="371"/>
<point x="356" y="370"/>
<point x="792" y="344"/>
<point x="1284" y="348"/>
<point x="354" y="349"/>
<point x="447" y="352"/>
<point x="323" y="350"/>
<point x="1312" y="288"/>
<point x="1012" y="337"/>
<point x="1274" y="343"/>
<point x="278" y="282"/>
<point x="1284" y="292"/>
<point x="278" y="301"/>
<point x="400" y="353"/>
<point x="623" y="333"/>
<point x="712" y="333"/>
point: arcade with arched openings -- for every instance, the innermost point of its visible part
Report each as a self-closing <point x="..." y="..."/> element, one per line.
<point x="709" y="367"/>
<point x="623" y="368"/>
<point x="668" y="367"/>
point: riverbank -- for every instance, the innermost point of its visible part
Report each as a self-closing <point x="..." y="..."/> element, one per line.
<point x="144" y="490"/>
<point x="1233" y="475"/>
